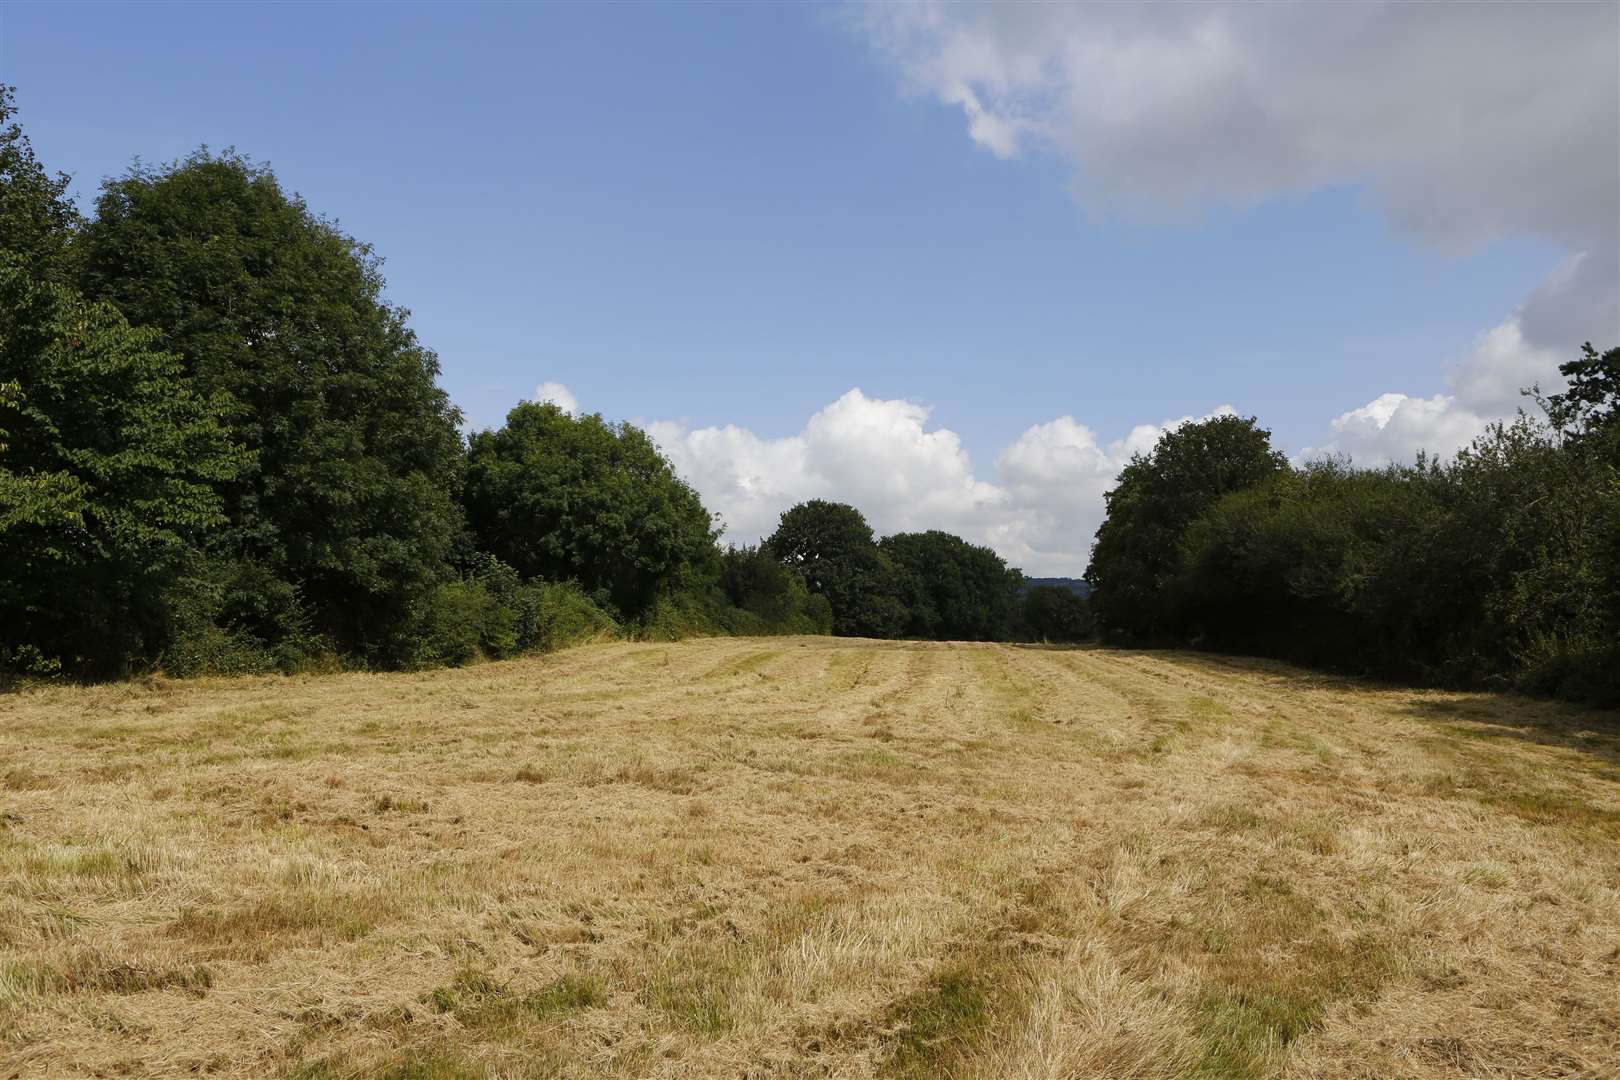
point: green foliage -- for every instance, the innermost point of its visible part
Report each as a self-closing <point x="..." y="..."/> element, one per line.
<point x="1592" y="398"/>
<point x="1055" y="614"/>
<point x="953" y="590"/>
<point x="831" y="547"/>
<point x="1500" y="569"/>
<point x="109" y="477"/>
<point x="111" y="461"/>
<point x="750" y="594"/>
<point x="768" y="597"/>
<point x="1137" y="554"/>
<point x="676" y="616"/>
<point x="580" y="499"/>
<point x="232" y="617"/>
<point x="37" y="220"/>
<point x="491" y="613"/>
<point x="279" y="320"/>
<point x="555" y="615"/>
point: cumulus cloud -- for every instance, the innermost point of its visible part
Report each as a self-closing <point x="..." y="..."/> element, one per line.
<point x="1485" y="387"/>
<point x="881" y="455"/>
<point x="559" y="395"/>
<point x="1463" y="124"/>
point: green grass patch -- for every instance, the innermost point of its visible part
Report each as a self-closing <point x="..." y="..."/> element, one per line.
<point x="1545" y="807"/>
<point x="91" y="972"/>
<point x="477" y="1000"/>
<point x="964" y="1003"/>
<point x="1246" y="1029"/>
<point x="306" y="913"/>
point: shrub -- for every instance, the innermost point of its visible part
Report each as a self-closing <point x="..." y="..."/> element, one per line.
<point x="684" y="615"/>
<point x="554" y="615"/>
<point x="488" y="615"/>
<point x="768" y="598"/>
<point x="234" y="617"/>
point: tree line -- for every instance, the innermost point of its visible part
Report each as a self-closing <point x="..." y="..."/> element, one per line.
<point x="222" y="449"/>
<point x="1499" y="568"/>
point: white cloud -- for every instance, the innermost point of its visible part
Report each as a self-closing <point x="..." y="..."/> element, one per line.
<point x="1467" y="122"/>
<point x="881" y="456"/>
<point x="1484" y="387"/>
<point x="1464" y="124"/>
<point x="559" y="395"/>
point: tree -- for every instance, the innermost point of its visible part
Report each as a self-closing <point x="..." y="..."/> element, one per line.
<point x="279" y="317"/>
<point x="774" y="596"/>
<point x="954" y="590"/>
<point x="1137" y="554"/>
<point x="1500" y="568"/>
<point x="37" y="220"/>
<point x="1053" y="613"/>
<point x="832" y="547"/>
<point x="108" y="459"/>
<point x="1592" y="399"/>
<point x="561" y="498"/>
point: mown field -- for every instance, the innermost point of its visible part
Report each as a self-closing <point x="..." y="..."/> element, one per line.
<point x="808" y="857"/>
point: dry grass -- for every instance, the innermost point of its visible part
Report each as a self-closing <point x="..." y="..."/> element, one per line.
<point x="808" y="858"/>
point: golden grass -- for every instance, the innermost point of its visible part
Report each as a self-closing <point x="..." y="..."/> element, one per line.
<point x="808" y="858"/>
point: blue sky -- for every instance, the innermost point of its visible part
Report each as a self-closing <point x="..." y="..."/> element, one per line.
<point x="733" y="214"/>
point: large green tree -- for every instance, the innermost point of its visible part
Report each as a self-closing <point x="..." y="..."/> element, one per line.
<point x="1137" y="554"/>
<point x="280" y="316"/>
<point x="109" y="462"/>
<point x="564" y="498"/>
<point x="832" y="547"/>
<point x="954" y="590"/>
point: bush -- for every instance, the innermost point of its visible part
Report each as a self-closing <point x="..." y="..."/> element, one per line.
<point x="454" y="622"/>
<point x="550" y="616"/>
<point x="684" y="615"/>
<point x="234" y="617"/>
<point x="491" y="613"/>
<point x="768" y="598"/>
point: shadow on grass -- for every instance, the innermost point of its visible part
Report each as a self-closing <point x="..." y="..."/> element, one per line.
<point x="1588" y="730"/>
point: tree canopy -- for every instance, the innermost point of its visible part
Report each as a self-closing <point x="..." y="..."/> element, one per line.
<point x="1138" y="548"/>
<point x="953" y="589"/>
<point x="109" y="460"/>
<point x="1592" y="397"/>
<point x="279" y="317"/>
<point x="833" y="549"/>
<point x="567" y="498"/>
<point x="1499" y="568"/>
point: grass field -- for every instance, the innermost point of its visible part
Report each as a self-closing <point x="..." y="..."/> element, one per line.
<point x="807" y="857"/>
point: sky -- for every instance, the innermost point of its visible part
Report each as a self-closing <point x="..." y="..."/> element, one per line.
<point x="953" y="264"/>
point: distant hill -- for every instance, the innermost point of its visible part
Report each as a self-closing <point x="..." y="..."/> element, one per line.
<point x="1073" y="584"/>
